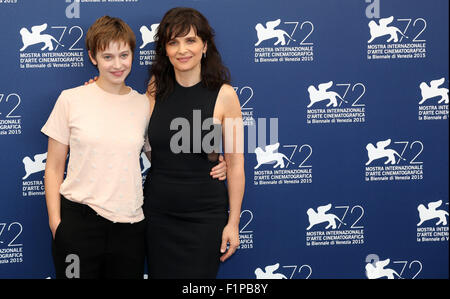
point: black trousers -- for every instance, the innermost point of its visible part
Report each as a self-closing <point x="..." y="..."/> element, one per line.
<point x="89" y="246"/>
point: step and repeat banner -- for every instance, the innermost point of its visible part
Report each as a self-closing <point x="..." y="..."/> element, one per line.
<point x="345" y="105"/>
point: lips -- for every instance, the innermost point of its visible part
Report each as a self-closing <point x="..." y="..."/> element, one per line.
<point x="183" y="59"/>
<point x="117" y="74"/>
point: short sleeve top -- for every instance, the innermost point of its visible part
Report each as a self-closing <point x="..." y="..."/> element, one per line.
<point x="105" y="133"/>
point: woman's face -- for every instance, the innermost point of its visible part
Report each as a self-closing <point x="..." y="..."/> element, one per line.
<point x="114" y="62"/>
<point x="185" y="52"/>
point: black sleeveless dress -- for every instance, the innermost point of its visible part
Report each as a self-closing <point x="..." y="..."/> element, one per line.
<point x="186" y="209"/>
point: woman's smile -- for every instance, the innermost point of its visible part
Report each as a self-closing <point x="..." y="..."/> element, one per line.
<point x="184" y="59"/>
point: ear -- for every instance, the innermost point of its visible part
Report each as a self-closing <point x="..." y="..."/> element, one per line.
<point x="94" y="62"/>
<point x="205" y="47"/>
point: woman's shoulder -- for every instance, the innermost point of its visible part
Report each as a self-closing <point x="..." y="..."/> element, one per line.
<point x="77" y="89"/>
<point x="227" y="93"/>
<point x="70" y="94"/>
<point x="228" y="101"/>
<point x="138" y="98"/>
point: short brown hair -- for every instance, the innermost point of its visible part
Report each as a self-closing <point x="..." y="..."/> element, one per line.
<point x="108" y="29"/>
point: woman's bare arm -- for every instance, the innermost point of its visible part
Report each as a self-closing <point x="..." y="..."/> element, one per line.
<point x="233" y="137"/>
<point x="54" y="176"/>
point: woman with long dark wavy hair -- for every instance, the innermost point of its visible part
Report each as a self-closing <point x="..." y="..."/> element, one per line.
<point x="192" y="218"/>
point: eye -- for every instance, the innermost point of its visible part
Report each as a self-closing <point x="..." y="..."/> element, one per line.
<point x="125" y="55"/>
<point x="172" y="43"/>
<point x="191" y="40"/>
<point x="107" y="57"/>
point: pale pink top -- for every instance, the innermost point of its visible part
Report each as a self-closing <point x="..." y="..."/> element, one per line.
<point x="105" y="133"/>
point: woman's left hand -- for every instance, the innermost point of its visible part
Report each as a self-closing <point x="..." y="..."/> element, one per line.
<point x="220" y="170"/>
<point x="230" y="235"/>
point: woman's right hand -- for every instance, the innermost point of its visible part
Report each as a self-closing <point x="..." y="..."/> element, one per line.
<point x="91" y="81"/>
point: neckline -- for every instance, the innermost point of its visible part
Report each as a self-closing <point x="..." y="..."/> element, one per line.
<point x="113" y="94"/>
<point x="187" y="87"/>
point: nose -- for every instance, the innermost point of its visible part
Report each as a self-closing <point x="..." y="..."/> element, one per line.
<point x="182" y="48"/>
<point x="116" y="63"/>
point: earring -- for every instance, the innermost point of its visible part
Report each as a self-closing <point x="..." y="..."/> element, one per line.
<point x="204" y="54"/>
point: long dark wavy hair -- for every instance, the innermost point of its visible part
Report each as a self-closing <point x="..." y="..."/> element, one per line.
<point x="177" y="22"/>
